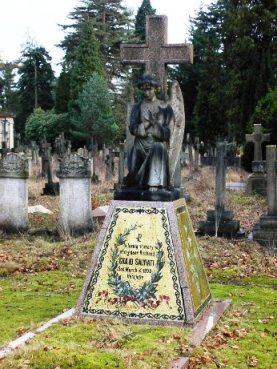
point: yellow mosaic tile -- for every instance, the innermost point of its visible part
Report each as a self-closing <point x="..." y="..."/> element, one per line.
<point x="136" y="274"/>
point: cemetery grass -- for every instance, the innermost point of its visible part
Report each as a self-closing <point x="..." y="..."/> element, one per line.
<point x="42" y="275"/>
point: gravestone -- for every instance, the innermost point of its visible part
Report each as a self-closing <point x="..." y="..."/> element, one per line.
<point x="148" y="277"/>
<point x="75" y="195"/>
<point x="256" y="182"/>
<point x="196" y="154"/>
<point x="146" y="267"/>
<point x="220" y="221"/>
<point x="13" y="193"/>
<point x="60" y="145"/>
<point x="109" y="161"/>
<point x="50" y="187"/>
<point x="265" y="232"/>
<point x="156" y="53"/>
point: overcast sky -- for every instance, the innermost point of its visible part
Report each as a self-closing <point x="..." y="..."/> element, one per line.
<point x="38" y="20"/>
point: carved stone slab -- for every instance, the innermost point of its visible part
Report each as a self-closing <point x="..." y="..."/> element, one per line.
<point x="74" y="166"/>
<point x="146" y="267"/>
<point x="14" y="166"/>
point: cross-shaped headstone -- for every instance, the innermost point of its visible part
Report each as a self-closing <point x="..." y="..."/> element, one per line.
<point x="156" y="53"/>
<point x="257" y="137"/>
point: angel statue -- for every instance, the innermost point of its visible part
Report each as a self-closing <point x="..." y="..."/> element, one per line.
<point x="158" y="129"/>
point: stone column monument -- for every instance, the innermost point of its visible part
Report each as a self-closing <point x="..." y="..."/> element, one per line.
<point x="75" y="194"/>
<point x="256" y="182"/>
<point x="13" y="193"/>
<point x="220" y="221"/>
<point x="265" y="232"/>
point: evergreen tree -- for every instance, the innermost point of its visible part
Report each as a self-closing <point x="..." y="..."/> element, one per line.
<point x="96" y="118"/>
<point x="35" y="85"/>
<point x="62" y="95"/>
<point x="45" y="123"/>
<point x="88" y="60"/>
<point x="8" y="96"/>
<point x="111" y="22"/>
<point x="249" y="31"/>
<point x="144" y="10"/>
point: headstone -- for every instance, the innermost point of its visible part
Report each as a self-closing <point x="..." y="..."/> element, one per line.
<point x="256" y="182"/>
<point x="29" y="158"/>
<point x="13" y="193"/>
<point x="189" y="149"/>
<point x="75" y="195"/>
<point x="6" y="130"/>
<point x="50" y="188"/>
<point x="60" y="145"/>
<point x="35" y="152"/>
<point x="148" y="277"/>
<point x="156" y="53"/>
<point x="220" y="221"/>
<point x="265" y="232"/>
<point x="196" y="154"/>
<point x="109" y="161"/>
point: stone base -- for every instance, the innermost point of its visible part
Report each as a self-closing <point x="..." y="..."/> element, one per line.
<point x="227" y="226"/>
<point x="265" y="232"/>
<point x="256" y="184"/>
<point x="135" y="194"/>
<point x="52" y="189"/>
<point x="146" y="267"/>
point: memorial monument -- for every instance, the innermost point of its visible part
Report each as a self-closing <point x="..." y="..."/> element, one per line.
<point x="146" y="267"/>
<point x="256" y="182"/>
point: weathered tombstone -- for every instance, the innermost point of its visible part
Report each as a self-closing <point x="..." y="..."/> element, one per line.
<point x="75" y="195"/>
<point x="60" y="145"/>
<point x="109" y="161"/>
<point x="35" y="152"/>
<point x="189" y="150"/>
<point x="6" y="131"/>
<point x="196" y="154"/>
<point x="13" y="193"/>
<point x="29" y="158"/>
<point x="45" y="151"/>
<point x="220" y="221"/>
<point x="146" y="266"/>
<point x="265" y="232"/>
<point x="152" y="277"/>
<point x="256" y="182"/>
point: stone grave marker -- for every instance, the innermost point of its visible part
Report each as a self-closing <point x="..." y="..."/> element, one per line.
<point x="13" y="193"/>
<point x="109" y="161"/>
<point x="152" y="277"/>
<point x="75" y="194"/>
<point x="256" y="182"/>
<point x="146" y="267"/>
<point x="220" y="221"/>
<point x="196" y="154"/>
<point x="265" y="232"/>
<point x="50" y="188"/>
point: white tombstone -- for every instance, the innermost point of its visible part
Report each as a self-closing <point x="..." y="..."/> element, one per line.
<point x="13" y="193"/>
<point x="75" y="195"/>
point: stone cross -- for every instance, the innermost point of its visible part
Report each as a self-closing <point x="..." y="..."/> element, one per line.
<point x="156" y="53"/>
<point x="257" y="137"/>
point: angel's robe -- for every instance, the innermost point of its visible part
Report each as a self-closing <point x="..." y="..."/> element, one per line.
<point x="152" y="124"/>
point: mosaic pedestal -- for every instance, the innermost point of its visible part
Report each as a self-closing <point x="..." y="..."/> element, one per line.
<point x="146" y="267"/>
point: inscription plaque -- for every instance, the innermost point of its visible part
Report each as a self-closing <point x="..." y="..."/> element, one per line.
<point x="146" y="266"/>
<point x="136" y="275"/>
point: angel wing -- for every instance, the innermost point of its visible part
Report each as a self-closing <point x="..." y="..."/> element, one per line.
<point x="176" y="140"/>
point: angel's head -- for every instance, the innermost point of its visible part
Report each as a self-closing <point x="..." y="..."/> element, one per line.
<point x="149" y="86"/>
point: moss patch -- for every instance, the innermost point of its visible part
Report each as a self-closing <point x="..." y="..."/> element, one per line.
<point x="32" y="299"/>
